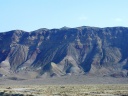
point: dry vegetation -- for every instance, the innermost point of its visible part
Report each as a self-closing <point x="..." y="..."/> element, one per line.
<point x="65" y="90"/>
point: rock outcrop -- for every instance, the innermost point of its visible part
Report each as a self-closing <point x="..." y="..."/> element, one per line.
<point x="65" y="51"/>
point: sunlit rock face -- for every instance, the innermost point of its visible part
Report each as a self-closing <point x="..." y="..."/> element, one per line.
<point x="65" y="51"/>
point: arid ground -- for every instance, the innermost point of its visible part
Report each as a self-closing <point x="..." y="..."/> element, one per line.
<point x="65" y="86"/>
<point x="65" y="90"/>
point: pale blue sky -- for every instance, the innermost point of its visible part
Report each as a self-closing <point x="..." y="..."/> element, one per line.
<point x="30" y="15"/>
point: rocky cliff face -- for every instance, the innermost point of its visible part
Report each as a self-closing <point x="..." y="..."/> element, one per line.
<point x="65" y="51"/>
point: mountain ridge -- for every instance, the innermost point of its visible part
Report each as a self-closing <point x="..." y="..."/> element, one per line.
<point x="65" y="51"/>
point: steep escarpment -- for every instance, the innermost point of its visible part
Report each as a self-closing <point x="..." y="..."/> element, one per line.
<point x="65" y="51"/>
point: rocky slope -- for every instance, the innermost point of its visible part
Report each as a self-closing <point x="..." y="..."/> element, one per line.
<point x="65" y="51"/>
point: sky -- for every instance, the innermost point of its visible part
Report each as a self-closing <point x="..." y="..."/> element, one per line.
<point x="30" y="15"/>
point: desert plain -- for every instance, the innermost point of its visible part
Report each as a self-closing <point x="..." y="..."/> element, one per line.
<point x="65" y="86"/>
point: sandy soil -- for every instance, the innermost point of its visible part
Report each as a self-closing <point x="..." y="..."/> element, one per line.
<point x="64" y="80"/>
<point x="66" y="90"/>
<point x="65" y="86"/>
